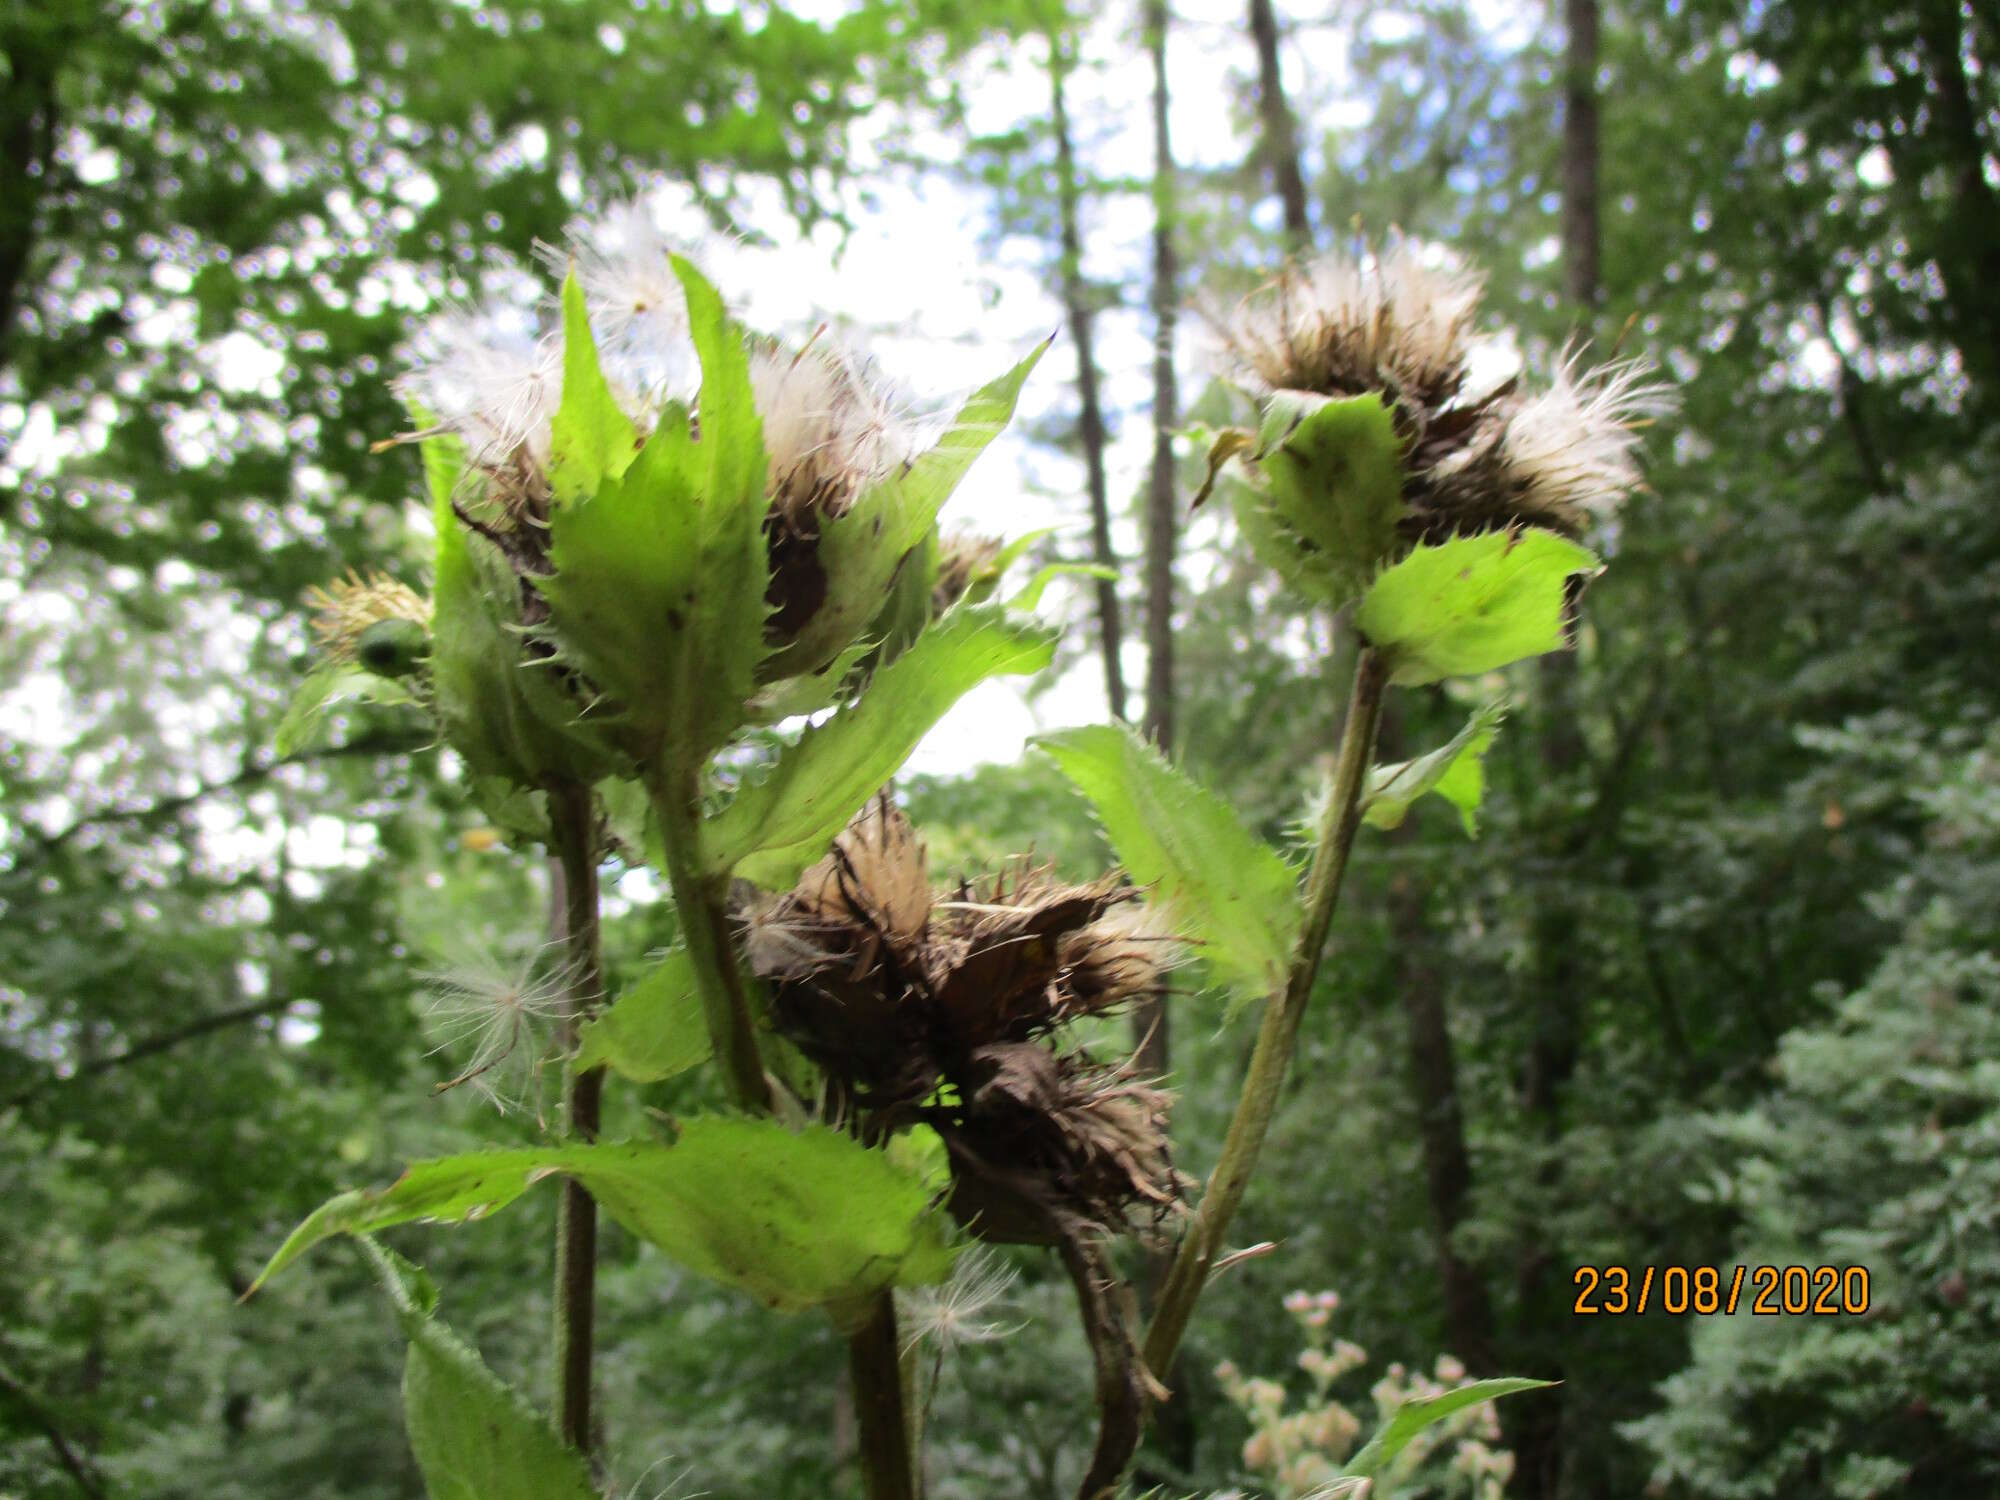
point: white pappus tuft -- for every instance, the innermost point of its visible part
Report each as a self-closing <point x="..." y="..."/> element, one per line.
<point x="830" y="426"/>
<point x="638" y="312"/>
<point x="1572" y="450"/>
<point x="961" y="1310"/>
<point x="498" y="1016"/>
<point x="496" y="388"/>
<point x="1399" y="318"/>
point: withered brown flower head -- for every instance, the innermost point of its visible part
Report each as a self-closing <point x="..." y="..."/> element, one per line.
<point x="1400" y="322"/>
<point x="942" y="1009"/>
<point x="962" y="559"/>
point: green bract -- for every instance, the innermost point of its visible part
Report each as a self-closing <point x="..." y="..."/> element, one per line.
<point x="1455" y="771"/>
<point x="657" y="589"/>
<point x="1322" y="507"/>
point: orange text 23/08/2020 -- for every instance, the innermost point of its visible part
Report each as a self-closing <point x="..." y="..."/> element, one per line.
<point x="1766" y="1291"/>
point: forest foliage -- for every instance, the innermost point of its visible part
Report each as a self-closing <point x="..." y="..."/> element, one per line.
<point x="1713" y="985"/>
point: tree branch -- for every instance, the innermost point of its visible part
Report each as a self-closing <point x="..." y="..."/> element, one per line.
<point x="161" y="810"/>
<point x="153" y="1046"/>
<point x="37" y="1412"/>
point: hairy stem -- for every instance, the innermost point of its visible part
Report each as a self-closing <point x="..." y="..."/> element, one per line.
<point x="700" y="901"/>
<point x="873" y="1357"/>
<point x="875" y="1362"/>
<point x="1278" y="1034"/>
<point x="573" y="826"/>
<point x="1121" y="1383"/>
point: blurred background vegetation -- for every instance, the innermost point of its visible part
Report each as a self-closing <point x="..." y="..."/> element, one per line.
<point x="1716" y="983"/>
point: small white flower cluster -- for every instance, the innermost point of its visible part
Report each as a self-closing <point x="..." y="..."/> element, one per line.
<point x="830" y="427"/>
<point x="1400" y="321"/>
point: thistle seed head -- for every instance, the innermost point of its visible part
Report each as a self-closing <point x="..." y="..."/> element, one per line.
<point x="496" y="389"/>
<point x="1392" y="320"/>
<point x="362" y="608"/>
<point x="894" y="988"/>
<point x="1400" y="323"/>
<point x="831" y="429"/>
<point x="965" y="564"/>
<point x="638" y="312"/>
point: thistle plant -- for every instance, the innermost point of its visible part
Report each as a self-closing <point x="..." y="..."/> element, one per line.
<point x="663" y="542"/>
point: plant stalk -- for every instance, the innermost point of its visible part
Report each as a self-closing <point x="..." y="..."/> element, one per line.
<point x="1278" y="1035"/>
<point x="573" y="828"/>
<point x="874" y="1358"/>
<point x="700" y="901"/>
<point x="875" y="1363"/>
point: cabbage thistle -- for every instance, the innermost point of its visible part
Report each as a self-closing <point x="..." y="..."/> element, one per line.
<point x="1371" y="438"/>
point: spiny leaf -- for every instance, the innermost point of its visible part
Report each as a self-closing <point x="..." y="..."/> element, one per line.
<point x="654" y="1029"/>
<point x="1227" y="888"/>
<point x="1472" y="604"/>
<point x="1413" y="1417"/>
<point x="509" y="720"/>
<point x="1455" y="771"/>
<point x="794" y="1218"/>
<point x="777" y="826"/>
<point x="326" y="685"/>
<point x="660" y="572"/>
<point x="591" y="439"/>
<point x="861" y="550"/>
<point x="474" y="1436"/>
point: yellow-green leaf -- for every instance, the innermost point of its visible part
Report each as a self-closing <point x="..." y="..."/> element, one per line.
<point x="655" y="1029"/>
<point x="795" y="1218"/>
<point x="777" y="826"/>
<point x="1472" y="604"/>
<point x="1225" y="887"/>
<point x="1455" y="771"/>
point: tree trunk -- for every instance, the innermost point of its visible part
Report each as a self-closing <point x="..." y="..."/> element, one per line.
<point x="1468" y="1314"/>
<point x="1090" y="410"/>
<point x="1173" y="1427"/>
<point x="1280" y="144"/>
<point x="1554" y="1040"/>
<point x="1150" y="1021"/>
<point x="27" y="137"/>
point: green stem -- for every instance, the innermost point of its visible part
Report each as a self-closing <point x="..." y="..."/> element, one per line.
<point x="573" y="828"/>
<point x="701" y="901"/>
<point x="1278" y="1035"/>
<point x="875" y="1361"/>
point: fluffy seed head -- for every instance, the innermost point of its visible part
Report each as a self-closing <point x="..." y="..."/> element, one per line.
<point x="624" y="263"/>
<point x="1573" y="450"/>
<point x="830" y="428"/>
<point x="494" y="387"/>
<point x="1392" y="320"/>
